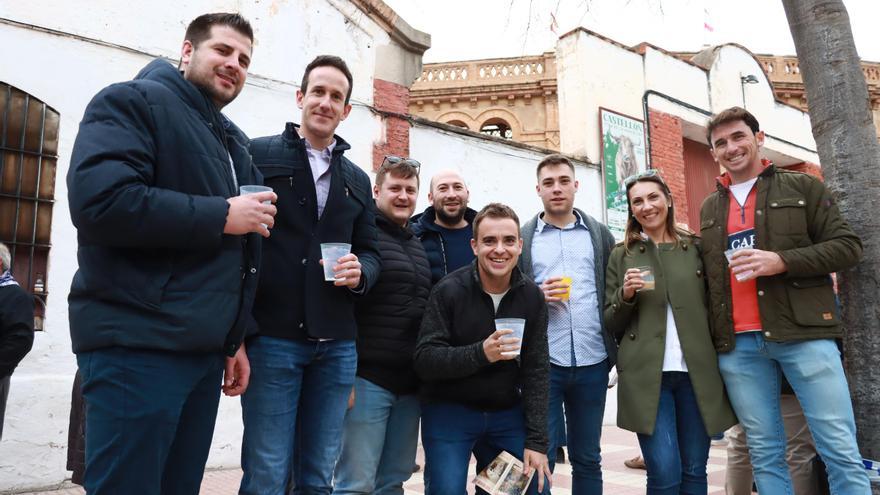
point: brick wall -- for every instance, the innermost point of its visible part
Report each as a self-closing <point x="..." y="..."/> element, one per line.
<point x="667" y="157"/>
<point x="390" y="97"/>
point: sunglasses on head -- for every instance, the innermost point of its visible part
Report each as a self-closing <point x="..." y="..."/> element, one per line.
<point x="392" y="160"/>
<point x="632" y="179"/>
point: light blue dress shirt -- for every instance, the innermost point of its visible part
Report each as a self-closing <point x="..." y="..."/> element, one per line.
<point x="575" y="331"/>
<point x="319" y="161"/>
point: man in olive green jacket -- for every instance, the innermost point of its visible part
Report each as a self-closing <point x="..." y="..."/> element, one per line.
<point x="773" y="311"/>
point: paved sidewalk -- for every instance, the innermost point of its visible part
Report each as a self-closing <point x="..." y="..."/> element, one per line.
<point x="617" y="446"/>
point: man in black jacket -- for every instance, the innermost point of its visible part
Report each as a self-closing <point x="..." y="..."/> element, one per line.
<point x="303" y="357"/>
<point x="477" y="387"/>
<point x="16" y="326"/>
<point x="381" y="430"/>
<point x="168" y="255"/>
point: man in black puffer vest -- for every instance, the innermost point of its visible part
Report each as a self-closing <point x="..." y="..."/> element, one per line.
<point x="381" y="429"/>
<point x="168" y="258"/>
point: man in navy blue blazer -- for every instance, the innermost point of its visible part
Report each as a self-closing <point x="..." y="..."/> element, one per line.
<point x="303" y="357"/>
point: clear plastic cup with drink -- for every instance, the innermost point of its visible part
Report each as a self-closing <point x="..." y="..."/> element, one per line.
<point x="647" y="277"/>
<point x="330" y="253"/>
<point x="518" y="325"/>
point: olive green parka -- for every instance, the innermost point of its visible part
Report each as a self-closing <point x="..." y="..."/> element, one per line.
<point x="796" y="217"/>
<point x="639" y="326"/>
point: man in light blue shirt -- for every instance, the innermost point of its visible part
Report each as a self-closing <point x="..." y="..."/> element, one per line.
<point x="566" y="251"/>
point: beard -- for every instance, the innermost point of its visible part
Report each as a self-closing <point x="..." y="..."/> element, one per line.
<point x="450" y="219"/>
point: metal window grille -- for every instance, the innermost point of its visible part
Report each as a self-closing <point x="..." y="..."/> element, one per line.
<point x="28" y="162"/>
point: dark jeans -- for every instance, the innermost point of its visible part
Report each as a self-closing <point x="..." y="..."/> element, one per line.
<point x="583" y="390"/>
<point x="677" y="451"/>
<point x="293" y="413"/>
<point x="149" y="419"/>
<point x="449" y="433"/>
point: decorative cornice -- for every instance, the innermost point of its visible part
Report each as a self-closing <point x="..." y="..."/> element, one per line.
<point x="398" y="29"/>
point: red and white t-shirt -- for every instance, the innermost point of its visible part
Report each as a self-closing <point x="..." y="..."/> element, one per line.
<point x="741" y="234"/>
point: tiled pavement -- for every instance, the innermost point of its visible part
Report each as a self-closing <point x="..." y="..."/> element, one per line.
<point x="617" y="446"/>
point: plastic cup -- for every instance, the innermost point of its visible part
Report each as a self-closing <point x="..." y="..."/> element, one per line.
<point x="330" y="253"/>
<point x="250" y="189"/>
<point x="729" y="255"/>
<point x="647" y="277"/>
<point x="518" y="325"/>
<point x="567" y="294"/>
<point x="253" y="189"/>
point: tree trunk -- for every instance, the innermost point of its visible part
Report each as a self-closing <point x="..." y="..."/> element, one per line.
<point x="840" y="112"/>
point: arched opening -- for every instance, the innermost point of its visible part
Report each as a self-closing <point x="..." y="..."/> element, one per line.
<point x="497" y="127"/>
<point x="458" y="123"/>
<point x="28" y="161"/>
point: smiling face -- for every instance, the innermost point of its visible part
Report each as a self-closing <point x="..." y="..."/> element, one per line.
<point x="735" y="147"/>
<point x="396" y="197"/>
<point x="650" y="207"/>
<point x="556" y="188"/>
<point x="449" y="196"/>
<point x="323" y="104"/>
<point x="497" y="246"/>
<point x="218" y="64"/>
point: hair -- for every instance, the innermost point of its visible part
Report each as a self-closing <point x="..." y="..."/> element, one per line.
<point x="200" y="28"/>
<point x="402" y="170"/>
<point x="633" y="232"/>
<point x="495" y="210"/>
<point x="327" y="61"/>
<point x="731" y="114"/>
<point x="554" y="159"/>
<point x="5" y="258"/>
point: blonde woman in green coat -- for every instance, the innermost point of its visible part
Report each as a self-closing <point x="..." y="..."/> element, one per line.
<point x="670" y="391"/>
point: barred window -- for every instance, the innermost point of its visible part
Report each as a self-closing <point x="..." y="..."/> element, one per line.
<point x="28" y="161"/>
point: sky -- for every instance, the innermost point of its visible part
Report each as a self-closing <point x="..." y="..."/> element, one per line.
<point x="476" y="29"/>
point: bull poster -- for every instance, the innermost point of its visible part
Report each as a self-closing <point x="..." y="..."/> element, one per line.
<point x="623" y="154"/>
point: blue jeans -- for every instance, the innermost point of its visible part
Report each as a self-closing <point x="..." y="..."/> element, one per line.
<point x="379" y="441"/>
<point x="149" y="419"/>
<point x="676" y="453"/>
<point x="449" y="433"/>
<point x="303" y="383"/>
<point x="751" y="373"/>
<point x="583" y="390"/>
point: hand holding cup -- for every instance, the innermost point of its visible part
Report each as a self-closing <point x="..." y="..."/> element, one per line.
<point x="500" y="344"/>
<point x="633" y="281"/>
<point x="556" y="289"/>
<point x="251" y="212"/>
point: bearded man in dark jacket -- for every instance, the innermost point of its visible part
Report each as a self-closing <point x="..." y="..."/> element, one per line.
<point x="381" y="430"/>
<point x="168" y="255"/>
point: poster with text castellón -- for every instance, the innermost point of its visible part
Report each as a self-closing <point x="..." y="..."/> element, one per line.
<point x="623" y="155"/>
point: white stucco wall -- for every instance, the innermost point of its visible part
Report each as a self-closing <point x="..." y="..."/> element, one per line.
<point x="593" y="72"/>
<point x="66" y="72"/>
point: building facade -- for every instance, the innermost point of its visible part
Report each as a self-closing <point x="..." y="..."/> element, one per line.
<point x="518" y="94"/>
<point x="554" y="100"/>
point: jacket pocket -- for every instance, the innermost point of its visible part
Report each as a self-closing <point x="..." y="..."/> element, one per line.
<point x="813" y="302"/>
<point x="134" y="279"/>
<point x="787" y="216"/>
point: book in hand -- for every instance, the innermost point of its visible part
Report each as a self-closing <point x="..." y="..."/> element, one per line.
<point x="504" y="476"/>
